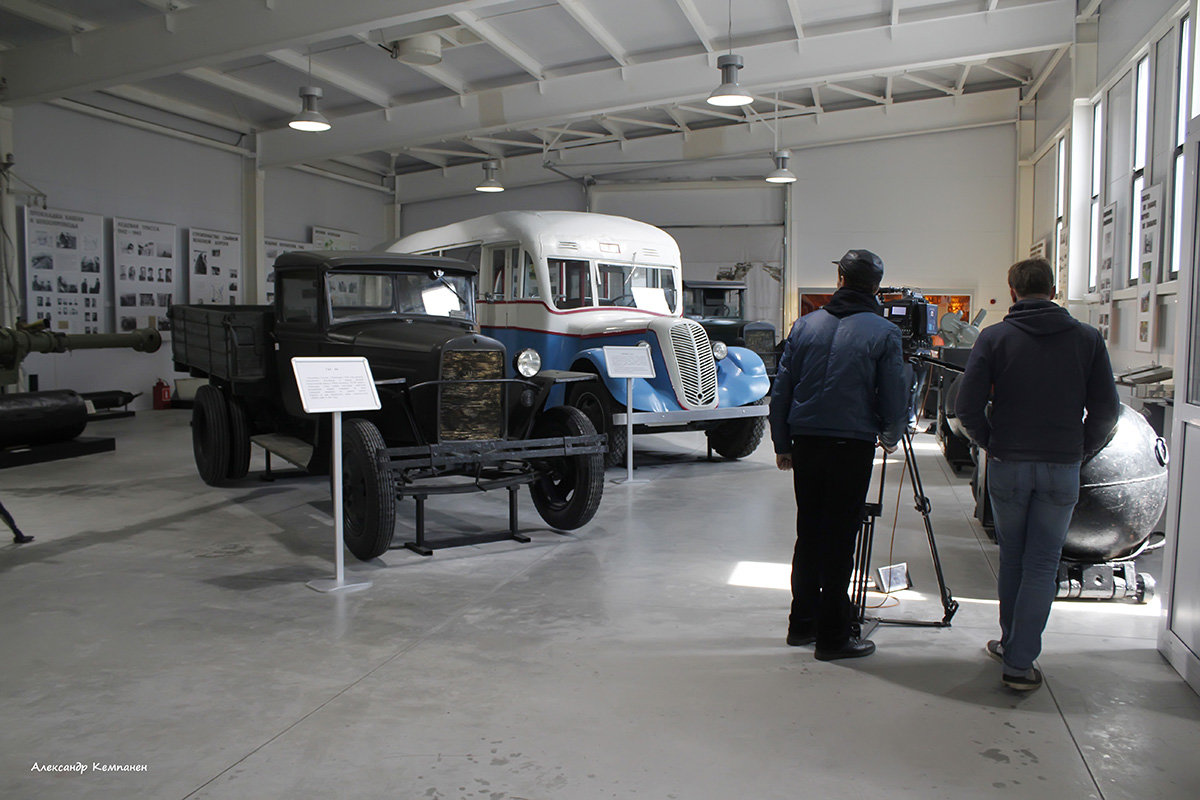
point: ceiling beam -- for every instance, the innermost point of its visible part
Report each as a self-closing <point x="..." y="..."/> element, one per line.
<point x="929" y="44"/>
<point x="715" y="145"/>
<point x="709" y="111"/>
<point x="328" y="76"/>
<point x="166" y="6"/>
<point x="1033" y="88"/>
<point x="837" y="87"/>
<point x="207" y="34"/>
<point x="673" y="113"/>
<point x="794" y="10"/>
<point x="45" y="15"/>
<point x="643" y="122"/>
<point x="229" y="83"/>
<point x="1005" y="73"/>
<point x="162" y="102"/>
<point x="921" y="81"/>
<point x="1089" y="9"/>
<point x="506" y="46"/>
<point x="587" y="20"/>
<point x="697" y="22"/>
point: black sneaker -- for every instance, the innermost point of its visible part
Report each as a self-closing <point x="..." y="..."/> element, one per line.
<point x="1025" y="681"/>
<point x="799" y="640"/>
<point x="995" y="649"/>
<point x="855" y="648"/>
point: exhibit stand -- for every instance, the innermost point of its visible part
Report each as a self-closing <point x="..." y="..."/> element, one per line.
<point x="332" y="385"/>
<point x="628" y="363"/>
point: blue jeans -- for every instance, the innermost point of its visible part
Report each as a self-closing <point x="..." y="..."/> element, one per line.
<point x="1032" y="503"/>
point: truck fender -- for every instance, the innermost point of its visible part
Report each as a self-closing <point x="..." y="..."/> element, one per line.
<point x="646" y="397"/>
<point x="741" y="378"/>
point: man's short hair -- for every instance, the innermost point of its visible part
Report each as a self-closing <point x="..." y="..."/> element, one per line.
<point x="1031" y="276"/>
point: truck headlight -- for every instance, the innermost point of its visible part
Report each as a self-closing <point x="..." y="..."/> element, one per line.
<point x="720" y="350"/>
<point x="527" y="362"/>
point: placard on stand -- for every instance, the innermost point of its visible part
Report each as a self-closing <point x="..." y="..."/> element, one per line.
<point x="628" y="363"/>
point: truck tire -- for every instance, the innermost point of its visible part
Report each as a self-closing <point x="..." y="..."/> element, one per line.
<point x="567" y="492"/>
<point x="368" y="492"/>
<point x="738" y="438"/>
<point x="210" y="434"/>
<point x="592" y="398"/>
<point x="239" y="440"/>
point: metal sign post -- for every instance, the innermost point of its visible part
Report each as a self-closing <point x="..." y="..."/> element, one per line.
<point x="628" y="363"/>
<point x="333" y="385"/>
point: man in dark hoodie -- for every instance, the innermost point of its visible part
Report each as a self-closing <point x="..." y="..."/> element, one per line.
<point x="1041" y="369"/>
<point x="840" y="389"/>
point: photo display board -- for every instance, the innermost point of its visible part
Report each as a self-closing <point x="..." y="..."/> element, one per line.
<point x="271" y="249"/>
<point x="1104" y="276"/>
<point x="144" y="273"/>
<point x="214" y="266"/>
<point x="1149" y="246"/>
<point x="65" y="280"/>
<point x="333" y="239"/>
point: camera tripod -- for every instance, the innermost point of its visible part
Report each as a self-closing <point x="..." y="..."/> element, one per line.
<point x="862" y="551"/>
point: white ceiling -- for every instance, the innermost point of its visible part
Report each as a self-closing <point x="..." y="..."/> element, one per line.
<point x="577" y="83"/>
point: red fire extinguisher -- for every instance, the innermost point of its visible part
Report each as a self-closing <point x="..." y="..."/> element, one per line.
<point x="162" y="395"/>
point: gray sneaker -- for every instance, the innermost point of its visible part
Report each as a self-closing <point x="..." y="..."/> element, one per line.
<point x="1025" y="681"/>
<point x="995" y="649"/>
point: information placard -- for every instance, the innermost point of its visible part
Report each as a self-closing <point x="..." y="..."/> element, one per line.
<point x="1149" y="245"/>
<point x="214" y="266"/>
<point x="64" y="270"/>
<point x="335" y="383"/>
<point x="144" y="268"/>
<point x="628" y="362"/>
<point x="266" y="277"/>
<point x="332" y="239"/>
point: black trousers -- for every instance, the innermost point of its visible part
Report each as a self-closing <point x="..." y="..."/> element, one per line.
<point x="831" y="478"/>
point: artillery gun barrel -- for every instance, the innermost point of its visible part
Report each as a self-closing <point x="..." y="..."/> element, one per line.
<point x="15" y="344"/>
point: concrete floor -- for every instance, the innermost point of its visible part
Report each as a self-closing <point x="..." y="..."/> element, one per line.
<point x="157" y="621"/>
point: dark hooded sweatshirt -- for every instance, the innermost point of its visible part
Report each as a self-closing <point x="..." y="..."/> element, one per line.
<point x="1042" y="369"/>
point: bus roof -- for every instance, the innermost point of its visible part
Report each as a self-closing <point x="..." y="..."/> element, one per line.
<point x="559" y="232"/>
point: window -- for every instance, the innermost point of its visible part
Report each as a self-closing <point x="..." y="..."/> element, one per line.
<point x="1060" y="209"/>
<point x="570" y="282"/>
<point x="298" y="297"/>
<point x="530" y="287"/>
<point x="1097" y="175"/>
<point x="651" y="288"/>
<point x="1141" y="135"/>
<point x="374" y="295"/>
<point x="497" y="281"/>
<point x="1181" y="120"/>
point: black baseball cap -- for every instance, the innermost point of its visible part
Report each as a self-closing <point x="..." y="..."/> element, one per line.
<point x="861" y="268"/>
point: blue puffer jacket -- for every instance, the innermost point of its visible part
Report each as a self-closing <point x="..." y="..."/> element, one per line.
<point x="841" y="374"/>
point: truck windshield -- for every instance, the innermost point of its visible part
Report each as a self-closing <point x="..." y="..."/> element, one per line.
<point x="361" y="295"/>
<point x="707" y="302"/>
<point x="649" y="288"/>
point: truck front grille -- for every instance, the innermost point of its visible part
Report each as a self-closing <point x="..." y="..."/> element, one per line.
<point x="468" y="409"/>
<point x="697" y="369"/>
<point x="763" y="343"/>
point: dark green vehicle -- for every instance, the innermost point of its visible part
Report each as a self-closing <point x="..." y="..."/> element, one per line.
<point x="447" y="412"/>
<point x="720" y="307"/>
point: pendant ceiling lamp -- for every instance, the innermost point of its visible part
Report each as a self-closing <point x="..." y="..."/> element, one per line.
<point x="490" y="184"/>
<point x="310" y="117"/>
<point x="730" y="92"/>
<point x="781" y="173"/>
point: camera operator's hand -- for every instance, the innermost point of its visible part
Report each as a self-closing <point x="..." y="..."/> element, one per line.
<point x="889" y="449"/>
<point x="783" y="461"/>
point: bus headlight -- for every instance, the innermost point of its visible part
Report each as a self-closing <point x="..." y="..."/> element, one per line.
<point x="720" y="350"/>
<point x="527" y="362"/>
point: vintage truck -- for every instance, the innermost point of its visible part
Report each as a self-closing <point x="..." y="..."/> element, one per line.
<point x="720" y="306"/>
<point x="450" y="420"/>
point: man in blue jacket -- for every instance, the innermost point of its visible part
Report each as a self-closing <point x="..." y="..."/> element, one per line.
<point x="840" y="389"/>
<point x="1041" y="369"/>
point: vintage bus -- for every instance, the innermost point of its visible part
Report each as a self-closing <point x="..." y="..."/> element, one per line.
<point x="565" y="284"/>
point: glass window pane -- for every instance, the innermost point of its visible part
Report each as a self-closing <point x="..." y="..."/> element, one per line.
<point x="1094" y="238"/>
<point x="1181" y="99"/>
<point x="571" y="282"/>
<point x="298" y="297"/>
<point x="1061" y="179"/>
<point x="1141" y="123"/>
<point x="1177" y="221"/>
<point x="1097" y="142"/>
<point x="530" y="288"/>
<point x="499" y="261"/>
<point x="1135" y="206"/>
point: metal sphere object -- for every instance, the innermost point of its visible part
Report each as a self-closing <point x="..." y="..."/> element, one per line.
<point x="1122" y="493"/>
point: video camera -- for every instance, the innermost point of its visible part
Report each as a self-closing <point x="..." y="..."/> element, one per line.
<point x="916" y="318"/>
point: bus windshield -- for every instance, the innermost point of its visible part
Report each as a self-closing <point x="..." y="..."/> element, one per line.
<point x="361" y="295"/>
<point x="636" y="286"/>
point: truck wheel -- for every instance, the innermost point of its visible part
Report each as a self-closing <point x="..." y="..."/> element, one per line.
<point x="567" y="493"/>
<point x="593" y="400"/>
<point x="738" y="438"/>
<point x="368" y="492"/>
<point x="210" y="434"/>
<point x="239" y="440"/>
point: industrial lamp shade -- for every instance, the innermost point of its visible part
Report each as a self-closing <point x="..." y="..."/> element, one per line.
<point x="310" y="118"/>
<point x="490" y="184"/>
<point x="729" y="93"/>
<point x="781" y="173"/>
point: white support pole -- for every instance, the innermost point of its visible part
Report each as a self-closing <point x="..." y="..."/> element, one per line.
<point x="339" y="548"/>
<point x="629" y="430"/>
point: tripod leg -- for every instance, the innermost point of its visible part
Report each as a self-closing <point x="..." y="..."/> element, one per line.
<point x="949" y="604"/>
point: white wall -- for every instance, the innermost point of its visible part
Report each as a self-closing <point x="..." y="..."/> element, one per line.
<point x="93" y="165"/>
<point x="1123" y="25"/>
<point x="937" y="208"/>
<point x="561" y="195"/>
